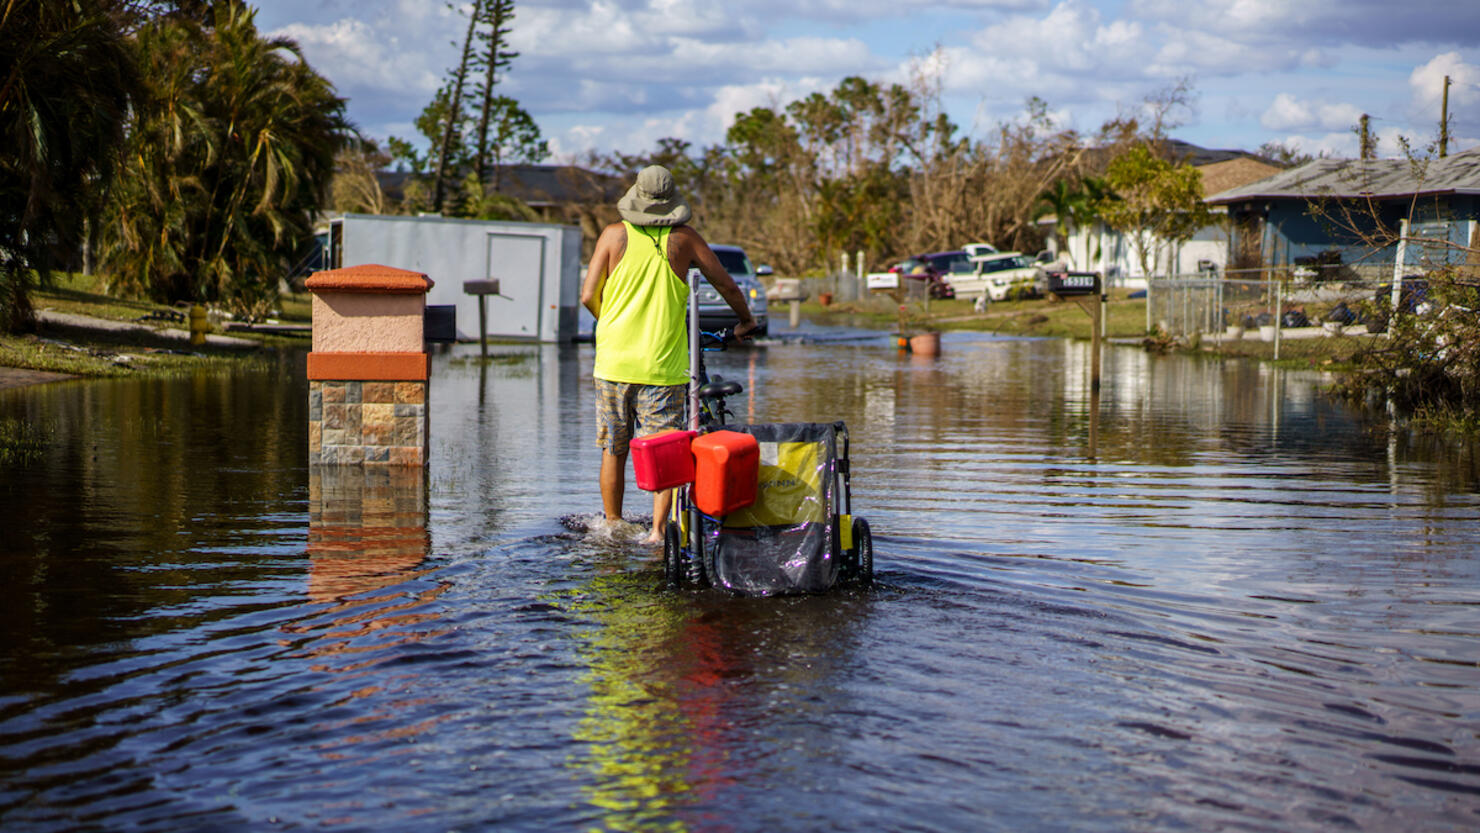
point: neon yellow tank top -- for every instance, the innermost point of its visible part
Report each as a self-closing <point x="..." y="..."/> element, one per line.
<point x="642" y="335"/>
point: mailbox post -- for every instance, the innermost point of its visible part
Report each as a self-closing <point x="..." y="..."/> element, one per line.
<point x="482" y="289"/>
<point x="1091" y="285"/>
<point x="790" y="289"/>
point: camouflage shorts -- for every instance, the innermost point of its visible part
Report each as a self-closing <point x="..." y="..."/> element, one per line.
<point x="625" y="410"/>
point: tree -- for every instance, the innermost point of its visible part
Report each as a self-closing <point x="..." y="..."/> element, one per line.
<point x="495" y="109"/>
<point x="452" y="96"/>
<point x="516" y="138"/>
<point x="472" y="130"/>
<point x="230" y="153"/>
<point x="67" y="80"/>
<point x="1070" y="207"/>
<point x="1283" y="155"/>
<point x="1153" y="202"/>
<point x="355" y="186"/>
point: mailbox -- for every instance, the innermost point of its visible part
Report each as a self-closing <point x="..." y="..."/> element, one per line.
<point x="787" y="289"/>
<point x="440" y="323"/>
<point x="484" y="287"/>
<point x="1065" y="284"/>
<point x="882" y="281"/>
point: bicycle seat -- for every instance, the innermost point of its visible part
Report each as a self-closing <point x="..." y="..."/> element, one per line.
<point x="719" y="389"/>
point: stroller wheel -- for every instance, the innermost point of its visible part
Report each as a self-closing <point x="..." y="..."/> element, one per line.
<point x="863" y="552"/>
<point x="674" y="569"/>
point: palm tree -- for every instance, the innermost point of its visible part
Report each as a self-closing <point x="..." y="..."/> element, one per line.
<point x="67" y="82"/>
<point x="230" y="155"/>
<point x="1061" y="199"/>
<point x="1073" y="206"/>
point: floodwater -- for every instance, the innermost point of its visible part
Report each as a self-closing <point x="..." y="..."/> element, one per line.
<point x="1214" y="602"/>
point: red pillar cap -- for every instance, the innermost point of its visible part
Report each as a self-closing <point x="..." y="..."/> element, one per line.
<point x="370" y="278"/>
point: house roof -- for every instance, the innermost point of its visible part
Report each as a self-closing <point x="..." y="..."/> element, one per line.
<point x="535" y="185"/>
<point x="1376" y="178"/>
<point x="1182" y="152"/>
<point x="1232" y="173"/>
<point x="1229" y="173"/>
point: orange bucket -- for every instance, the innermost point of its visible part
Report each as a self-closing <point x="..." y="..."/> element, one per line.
<point x="726" y="469"/>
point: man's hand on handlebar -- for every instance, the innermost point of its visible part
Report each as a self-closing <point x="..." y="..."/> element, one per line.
<point x="742" y="331"/>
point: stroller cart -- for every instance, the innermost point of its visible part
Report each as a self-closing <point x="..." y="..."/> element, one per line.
<point x="799" y="536"/>
<point x="760" y="509"/>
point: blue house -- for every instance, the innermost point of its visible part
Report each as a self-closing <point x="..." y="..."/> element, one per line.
<point x="1348" y="216"/>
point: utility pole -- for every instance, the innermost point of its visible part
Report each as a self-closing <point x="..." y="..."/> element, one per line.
<point x="1365" y="134"/>
<point x="1444" y="121"/>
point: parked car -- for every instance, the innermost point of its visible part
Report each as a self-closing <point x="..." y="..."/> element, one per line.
<point x="1002" y="276"/>
<point x="714" y="313"/>
<point x="978" y="249"/>
<point x="934" y="271"/>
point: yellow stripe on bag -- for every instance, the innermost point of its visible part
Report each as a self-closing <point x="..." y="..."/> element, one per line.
<point x="788" y="488"/>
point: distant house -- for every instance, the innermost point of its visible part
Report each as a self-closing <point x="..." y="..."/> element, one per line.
<point x="1097" y="247"/>
<point x="558" y="193"/>
<point x="1350" y="211"/>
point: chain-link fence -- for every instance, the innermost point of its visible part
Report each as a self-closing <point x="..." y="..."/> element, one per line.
<point x="839" y="286"/>
<point x="1268" y="305"/>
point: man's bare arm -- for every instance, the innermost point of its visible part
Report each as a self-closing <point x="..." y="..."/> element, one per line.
<point x="693" y="249"/>
<point x="609" y="249"/>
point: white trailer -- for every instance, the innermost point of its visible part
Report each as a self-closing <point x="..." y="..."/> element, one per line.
<point x="537" y="266"/>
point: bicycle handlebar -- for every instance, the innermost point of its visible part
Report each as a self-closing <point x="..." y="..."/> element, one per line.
<point x="715" y="340"/>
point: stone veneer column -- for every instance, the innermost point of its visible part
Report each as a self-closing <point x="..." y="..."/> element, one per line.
<point x="368" y="371"/>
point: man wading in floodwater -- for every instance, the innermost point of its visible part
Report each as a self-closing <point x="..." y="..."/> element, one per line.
<point x="635" y="287"/>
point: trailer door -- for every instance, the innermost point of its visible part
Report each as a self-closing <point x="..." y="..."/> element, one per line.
<point x="518" y="262"/>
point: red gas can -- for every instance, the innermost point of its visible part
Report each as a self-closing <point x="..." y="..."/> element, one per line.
<point x="726" y="468"/>
<point x="662" y="461"/>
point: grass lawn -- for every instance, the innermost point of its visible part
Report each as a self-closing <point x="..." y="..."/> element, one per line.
<point x="85" y="351"/>
<point x="86" y="295"/>
<point x="82" y="355"/>
<point x="1069" y="318"/>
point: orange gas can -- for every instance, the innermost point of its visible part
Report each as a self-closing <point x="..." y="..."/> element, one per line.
<point x="662" y="461"/>
<point x="726" y="468"/>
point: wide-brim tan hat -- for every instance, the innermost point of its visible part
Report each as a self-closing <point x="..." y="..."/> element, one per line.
<point x="653" y="200"/>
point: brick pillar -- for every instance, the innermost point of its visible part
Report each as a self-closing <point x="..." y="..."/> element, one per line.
<point x="368" y="371"/>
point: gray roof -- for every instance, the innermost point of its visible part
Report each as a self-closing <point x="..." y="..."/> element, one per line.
<point x="536" y="185"/>
<point x="1377" y="178"/>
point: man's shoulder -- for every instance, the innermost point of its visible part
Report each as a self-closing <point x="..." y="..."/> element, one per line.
<point x="686" y="234"/>
<point x="612" y="234"/>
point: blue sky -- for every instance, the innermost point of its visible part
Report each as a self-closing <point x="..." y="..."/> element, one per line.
<point x="619" y="74"/>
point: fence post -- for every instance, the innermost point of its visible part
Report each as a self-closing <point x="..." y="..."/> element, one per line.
<point x="1398" y="263"/>
<point x="1096" y="326"/>
<point x="1279" y="315"/>
<point x="1148" y="304"/>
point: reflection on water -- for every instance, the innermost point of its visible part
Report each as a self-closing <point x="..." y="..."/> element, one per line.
<point x="367" y="528"/>
<point x="1207" y="599"/>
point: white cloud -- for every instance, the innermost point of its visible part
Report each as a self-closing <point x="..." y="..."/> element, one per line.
<point x="1072" y="38"/>
<point x="1427" y="83"/>
<point x="361" y="59"/>
<point x="1188" y="51"/>
<point x="1289" y="113"/>
<point x="620" y="73"/>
